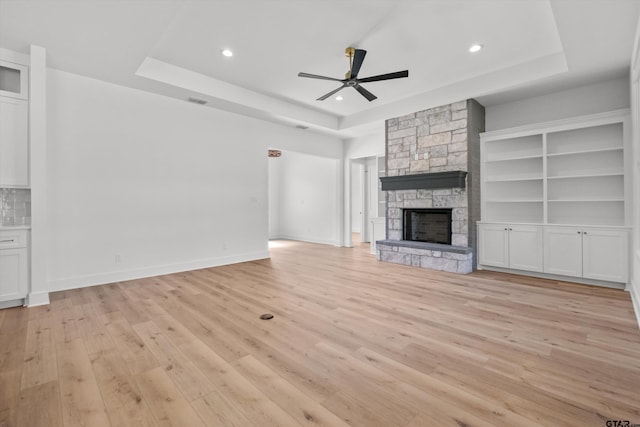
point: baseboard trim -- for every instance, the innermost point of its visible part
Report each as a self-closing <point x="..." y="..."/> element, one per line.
<point x="158" y="270"/>
<point x="571" y="279"/>
<point x="12" y="303"/>
<point x="35" y="299"/>
<point x="308" y="240"/>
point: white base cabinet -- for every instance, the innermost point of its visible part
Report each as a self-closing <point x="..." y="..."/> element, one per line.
<point x="493" y="245"/>
<point x="591" y="253"/>
<point x="595" y="253"/>
<point x="14" y="265"/>
<point x="510" y="246"/>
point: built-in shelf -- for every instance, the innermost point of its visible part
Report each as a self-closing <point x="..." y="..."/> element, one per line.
<point x="571" y="172"/>
<point x="515" y="201"/>
<point x="584" y="200"/>
<point x="511" y="179"/>
<point x="510" y="159"/>
<point x="599" y="150"/>
<point x="588" y="175"/>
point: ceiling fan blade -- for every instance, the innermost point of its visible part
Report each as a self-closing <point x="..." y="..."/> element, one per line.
<point x="315" y="76"/>
<point x="323" y="97"/>
<point x="370" y="97"/>
<point x="358" y="58"/>
<point x="389" y="76"/>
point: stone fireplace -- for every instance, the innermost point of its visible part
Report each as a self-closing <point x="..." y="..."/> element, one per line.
<point x="433" y="165"/>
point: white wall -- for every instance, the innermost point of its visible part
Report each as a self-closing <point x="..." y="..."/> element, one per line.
<point x="635" y="121"/>
<point x="305" y="189"/>
<point x="164" y="184"/>
<point x="596" y="98"/>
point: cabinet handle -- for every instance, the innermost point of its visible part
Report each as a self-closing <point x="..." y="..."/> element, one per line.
<point x="584" y="232"/>
<point x="578" y="232"/>
<point x="505" y="229"/>
<point x="510" y="229"/>
<point x="7" y="241"/>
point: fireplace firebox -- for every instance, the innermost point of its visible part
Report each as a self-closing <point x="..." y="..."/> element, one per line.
<point x="427" y="225"/>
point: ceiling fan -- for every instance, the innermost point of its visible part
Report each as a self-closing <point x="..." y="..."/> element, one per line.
<point x="356" y="57"/>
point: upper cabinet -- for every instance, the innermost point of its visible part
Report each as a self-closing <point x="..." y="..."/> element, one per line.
<point x="14" y="125"/>
<point x="14" y="142"/>
<point x="13" y="80"/>
<point x="570" y="172"/>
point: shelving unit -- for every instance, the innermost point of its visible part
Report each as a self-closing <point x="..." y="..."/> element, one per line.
<point x="568" y="182"/>
<point x="565" y="172"/>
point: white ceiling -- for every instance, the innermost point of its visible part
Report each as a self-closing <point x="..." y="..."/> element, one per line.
<point x="173" y="48"/>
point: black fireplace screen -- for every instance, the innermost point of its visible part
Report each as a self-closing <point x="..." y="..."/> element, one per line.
<point x="428" y="225"/>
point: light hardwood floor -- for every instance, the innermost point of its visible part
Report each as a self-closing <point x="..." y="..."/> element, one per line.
<point x="353" y="342"/>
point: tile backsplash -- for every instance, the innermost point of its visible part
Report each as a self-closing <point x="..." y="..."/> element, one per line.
<point x="15" y="206"/>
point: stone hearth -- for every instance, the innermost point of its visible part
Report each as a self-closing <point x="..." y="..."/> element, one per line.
<point x="434" y="141"/>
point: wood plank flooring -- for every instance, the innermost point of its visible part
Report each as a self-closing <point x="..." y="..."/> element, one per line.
<point x="354" y="342"/>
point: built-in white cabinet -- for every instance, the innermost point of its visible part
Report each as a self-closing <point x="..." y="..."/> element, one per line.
<point x="568" y="178"/>
<point x="591" y="253"/>
<point x="566" y="172"/>
<point x="510" y="246"/>
<point x="14" y="125"/>
<point x="513" y="181"/>
<point x="14" y="142"/>
<point x="14" y="265"/>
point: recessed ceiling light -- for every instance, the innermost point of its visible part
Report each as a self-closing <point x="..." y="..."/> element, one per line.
<point x="227" y="52"/>
<point x="475" y="48"/>
<point x="339" y="98"/>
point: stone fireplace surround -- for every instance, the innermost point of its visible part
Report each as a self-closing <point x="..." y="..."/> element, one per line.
<point x="428" y="145"/>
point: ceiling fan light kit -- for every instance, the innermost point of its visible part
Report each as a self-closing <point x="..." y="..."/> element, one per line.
<point x="356" y="58"/>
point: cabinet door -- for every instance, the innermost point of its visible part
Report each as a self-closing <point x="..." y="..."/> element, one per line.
<point x="525" y="247"/>
<point x="605" y="255"/>
<point x="14" y="142"/>
<point x="13" y="274"/>
<point x="493" y="245"/>
<point x="563" y="251"/>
